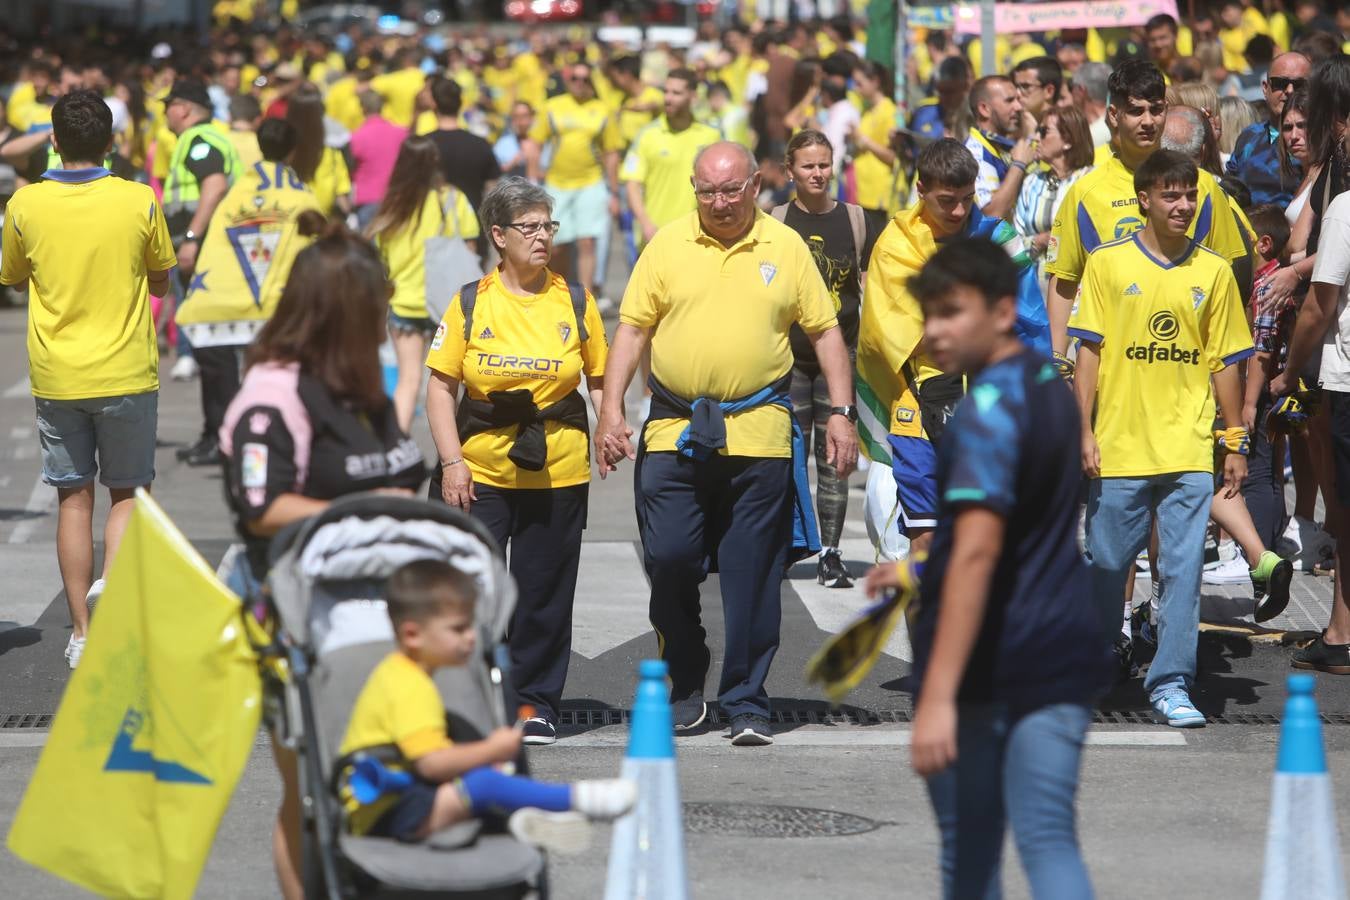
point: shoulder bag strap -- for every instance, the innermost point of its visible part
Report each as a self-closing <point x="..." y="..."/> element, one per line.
<point x="858" y="223"/>
<point x="468" y="297"/>
<point x="780" y="212"/>
<point x="578" y="294"/>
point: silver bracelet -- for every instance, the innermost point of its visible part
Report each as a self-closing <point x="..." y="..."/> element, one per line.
<point x="447" y="463"/>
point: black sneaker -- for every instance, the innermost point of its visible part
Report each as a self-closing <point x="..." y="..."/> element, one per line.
<point x="1272" y="591"/>
<point x="1125" y="658"/>
<point x="1324" y="657"/>
<point x="689" y="712"/>
<point x="204" y="442"/>
<point x="538" y="731"/>
<point x="830" y="570"/>
<point x="204" y="455"/>
<point x="749" y="730"/>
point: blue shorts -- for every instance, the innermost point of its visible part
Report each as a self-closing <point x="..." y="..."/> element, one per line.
<point x="409" y="325"/>
<point x="113" y="434"/>
<point x="409" y="813"/>
<point x="914" y="463"/>
<point x="582" y="212"/>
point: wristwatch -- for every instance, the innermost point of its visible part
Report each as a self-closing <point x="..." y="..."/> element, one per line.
<point x="191" y="235"/>
<point x="849" y="412"/>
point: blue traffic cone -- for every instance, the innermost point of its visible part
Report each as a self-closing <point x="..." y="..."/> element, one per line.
<point x="646" y="856"/>
<point x="1303" y="851"/>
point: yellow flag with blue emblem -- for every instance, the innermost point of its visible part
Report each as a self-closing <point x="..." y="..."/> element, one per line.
<point x="154" y="729"/>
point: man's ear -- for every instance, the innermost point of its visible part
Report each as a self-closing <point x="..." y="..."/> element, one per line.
<point x="1143" y="201"/>
<point x="1005" y="313"/>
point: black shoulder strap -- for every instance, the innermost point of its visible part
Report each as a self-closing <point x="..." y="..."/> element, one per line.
<point x="578" y="294"/>
<point x="468" y="296"/>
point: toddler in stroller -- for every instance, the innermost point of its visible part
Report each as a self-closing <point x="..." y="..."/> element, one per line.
<point x="402" y="776"/>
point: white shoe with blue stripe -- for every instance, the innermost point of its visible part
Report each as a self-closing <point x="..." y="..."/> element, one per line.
<point x="1176" y="709"/>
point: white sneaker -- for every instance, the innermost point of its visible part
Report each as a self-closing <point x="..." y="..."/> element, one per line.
<point x="95" y="591"/>
<point x="1230" y="571"/>
<point x="604" y="798"/>
<point x="184" y="370"/>
<point x="74" y="650"/>
<point x="557" y="832"/>
<point x="1305" y="542"/>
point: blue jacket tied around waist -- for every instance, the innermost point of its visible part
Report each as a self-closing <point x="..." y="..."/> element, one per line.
<point x="707" y="433"/>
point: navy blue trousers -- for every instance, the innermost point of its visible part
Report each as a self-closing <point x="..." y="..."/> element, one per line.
<point x="732" y="515"/>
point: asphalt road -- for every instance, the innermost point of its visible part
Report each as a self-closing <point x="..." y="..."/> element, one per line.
<point x="1154" y="802"/>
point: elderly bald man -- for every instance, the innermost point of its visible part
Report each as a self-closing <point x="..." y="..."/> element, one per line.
<point x="1255" y="158"/>
<point x="717" y="484"/>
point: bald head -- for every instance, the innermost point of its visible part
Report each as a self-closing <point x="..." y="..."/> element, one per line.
<point x="1184" y="131"/>
<point x="1288" y="72"/>
<point x="726" y="182"/>
<point x="724" y="161"/>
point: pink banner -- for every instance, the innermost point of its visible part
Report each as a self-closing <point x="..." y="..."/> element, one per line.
<point x="1011" y="17"/>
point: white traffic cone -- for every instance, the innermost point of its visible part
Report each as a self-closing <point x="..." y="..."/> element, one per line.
<point x="1303" y="851"/>
<point x="646" y="857"/>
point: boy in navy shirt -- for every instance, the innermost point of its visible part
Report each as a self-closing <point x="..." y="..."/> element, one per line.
<point x="1008" y="646"/>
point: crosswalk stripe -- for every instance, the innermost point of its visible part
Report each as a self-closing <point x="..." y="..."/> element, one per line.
<point x="617" y="737"/>
<point x="833" y="608"/>
<point x="611" y="598"/>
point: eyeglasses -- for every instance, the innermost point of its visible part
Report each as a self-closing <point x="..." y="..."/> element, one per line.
<point x="1024" y="87"/>
<point x="1280" y="85"/>
<point x="530" y="229"/>
<point x="727" y="192"/>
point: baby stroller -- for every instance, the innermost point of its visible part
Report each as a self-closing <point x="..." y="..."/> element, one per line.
<point x="327" y="586"/>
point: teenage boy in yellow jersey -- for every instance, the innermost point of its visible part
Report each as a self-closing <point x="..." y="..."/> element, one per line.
<point x="638" y="103"/>
<point x="583" y="176"/>
<point x="93" y="248"/>
<point x="719" y="484"/>
<point x="1159" y="317"/>
<point x="250" y="244"/>
<point x="657" y="166"/>
<point x="1102" y="205"/>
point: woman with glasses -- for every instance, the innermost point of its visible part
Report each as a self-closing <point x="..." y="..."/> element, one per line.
<point x="1064" y="145"/>
<point x="514" y="449"/>
<point x="417" y="205"/>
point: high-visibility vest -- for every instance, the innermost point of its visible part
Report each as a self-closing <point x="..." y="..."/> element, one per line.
<point x="181" y="189"/>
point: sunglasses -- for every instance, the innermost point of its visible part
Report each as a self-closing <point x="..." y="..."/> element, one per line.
<point x="1280" y="85"/>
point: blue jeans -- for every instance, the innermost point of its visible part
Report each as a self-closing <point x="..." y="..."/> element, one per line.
<point x="1018" y="768"/>
<point x="1120" y="512"/>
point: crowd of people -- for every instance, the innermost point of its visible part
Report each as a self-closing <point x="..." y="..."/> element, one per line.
<point x="1152" y="215"/>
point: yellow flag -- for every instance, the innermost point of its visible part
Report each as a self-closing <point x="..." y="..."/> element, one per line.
<point x="154" y="729"/>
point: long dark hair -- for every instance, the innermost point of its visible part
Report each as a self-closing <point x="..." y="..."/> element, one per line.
<point x="331" y="315"/>
<point x="417" y="172"/>
<point x="304" y="110"/>
<point x="1328" y="106"/>
<point x="1297" y="102"/>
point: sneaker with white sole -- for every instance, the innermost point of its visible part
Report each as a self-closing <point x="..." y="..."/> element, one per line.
<point x="604" y="799"/>
<point x="185" y="369"/>
<point x="95" y="591"/>
<point x="1176" y="709"/>
<point x="749" y="730"/>
<point x="74" y="650"/>
<point x="1232" y="571"/>
<point x="556" y="832"/>
<point x="538" y="731"/>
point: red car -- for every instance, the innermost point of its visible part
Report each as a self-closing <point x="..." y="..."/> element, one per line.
<point x="543" y="10"/>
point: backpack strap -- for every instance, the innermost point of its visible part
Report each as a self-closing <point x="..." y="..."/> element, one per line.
<point x="858" y="223"/>
<point x="468" y="296"/>
<point x="578" y="294"/>
<point x="779" y="212"/>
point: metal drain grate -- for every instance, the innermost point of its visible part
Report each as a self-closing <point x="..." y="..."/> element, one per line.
<point x="25" y="720"/>
<point x="755" y="820"/>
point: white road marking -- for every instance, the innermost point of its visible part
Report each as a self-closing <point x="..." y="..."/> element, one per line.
<point x="40" y="502"/>
<point x="20" y="388"/>
<point x="20" y="433"/>
<point x="853" y="736"/>
<point x="833" y="608"/>
<point x="23" y="739"/>
<point x="611" y="598"/>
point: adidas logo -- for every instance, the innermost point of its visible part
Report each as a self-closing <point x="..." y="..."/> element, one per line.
<point x="1133" y="290"/>
<point x="486" y="334"/>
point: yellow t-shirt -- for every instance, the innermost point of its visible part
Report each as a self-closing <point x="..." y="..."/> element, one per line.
<point x="23" y="96"/>
<point x="245" y="144"/>
<point x="719" y="319"/>
<point x="529" y="343"/>
<point x="400" y="705"/>
<point x="404" y="250"/>
<point x="343" y="103"/>
<point x="501" y="87"/>
<point x="399" y="90"/>
<point x="86" y="242"/>
<point x="1102" y="206"/>
<point x="876" y="179"/>
<point x="331" y="180"/>
<point x="580" y="133"/>
<point x="632" y="120"/>
<point x="425" y="123"/>
<point x="1164" y="329"/>
<point x="662" y="161"/>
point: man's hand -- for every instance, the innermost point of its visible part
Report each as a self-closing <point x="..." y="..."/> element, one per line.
<point x="457" y="486"/>
<point x="1280" y="286"/>
<point x="613" y="206"/>
<point x="613" y="442"/>
<point x="1092" y="456"/>
<point x="841" y="445"/>
<point x="1280" y="385"/>
<point x="1234" y="473"/>
<point x="881" y="577"/>
<point x="932" y="747"/>
<point x="187" y="257"/>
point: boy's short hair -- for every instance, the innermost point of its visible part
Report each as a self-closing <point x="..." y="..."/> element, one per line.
<point x="276" y="139"/>
<point x="1136" y="78"/>
<point x="1268" y="220"/>
<point x="245" y="108"/>
<point x="975" y="262"/>
<point x="424" y="588"/>
<point x="82" y="125"/>
<point x="946" y="163"/>
<point x="447" y="96"/>
<point x="1166" y="167"/>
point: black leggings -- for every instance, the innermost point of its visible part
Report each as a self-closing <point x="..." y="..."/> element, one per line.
<point x="811" y="406"/>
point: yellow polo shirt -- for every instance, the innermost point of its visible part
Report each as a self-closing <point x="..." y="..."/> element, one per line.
<point x="529" y="343"/>
<point x="876" y="179"/>
<point x="86" y="242"/>
<point x="580" y="133"/>
<point x="719" y="319"/>
<point x="399" y="90"/>
<point x="662" y="161"/>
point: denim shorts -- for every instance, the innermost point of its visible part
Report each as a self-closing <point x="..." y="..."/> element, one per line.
<point x="114" y="434"/>
<point x="410" y="811"/>
<point x="411" y="325"/>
